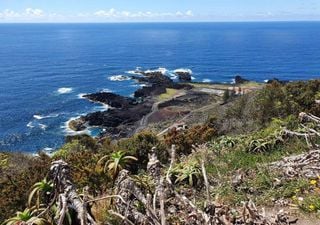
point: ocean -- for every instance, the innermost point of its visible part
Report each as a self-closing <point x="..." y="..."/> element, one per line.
<point x="46" y="68"/>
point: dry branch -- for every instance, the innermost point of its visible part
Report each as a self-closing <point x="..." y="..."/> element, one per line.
<point x="67" y="195"/>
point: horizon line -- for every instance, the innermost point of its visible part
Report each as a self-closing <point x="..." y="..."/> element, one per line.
<point x="132" y="22"/>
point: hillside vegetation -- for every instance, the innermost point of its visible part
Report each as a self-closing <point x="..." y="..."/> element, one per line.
<point x="230" y="161"/>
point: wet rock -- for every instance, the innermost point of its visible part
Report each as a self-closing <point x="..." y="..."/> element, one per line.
<point x="111" y="99"/>
<point x="184" y="75"/>
<point x="240" y="80"/>
<point x="77" y="124"/>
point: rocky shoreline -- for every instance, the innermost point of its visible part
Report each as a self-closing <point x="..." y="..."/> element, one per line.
<point x="126" y="115"/>
<point x="122" y="118"/>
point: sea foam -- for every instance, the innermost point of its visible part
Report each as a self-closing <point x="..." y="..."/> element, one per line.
<point x="81" y="95"/>
<point x="183" y="70"/>
<point x="42" y="126"/>
<point x="40" y="117"/>
<point x="64" y="90"/>
<point x="119" y="78"/>
<point x="162" y="70"/>
<point x="30" y="125"/>
<point x="206" y="80"/>
<point x="136" y="71"/>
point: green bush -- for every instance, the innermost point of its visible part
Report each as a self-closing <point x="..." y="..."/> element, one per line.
<point x="140" y="145"/>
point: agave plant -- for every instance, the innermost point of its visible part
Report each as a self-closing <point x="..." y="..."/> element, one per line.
<point x="227" y="141"/>
<point x="187" y="172"/>
<point x="43" y="187"/>
<point x="116" y="163"/>
<point x="25" y="217"/>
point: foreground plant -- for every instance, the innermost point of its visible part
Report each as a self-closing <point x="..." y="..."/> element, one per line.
<point x="116" y="163"/>
<point x="26" y="217"/>
<point x="188" y="172"/>
<point x="43" y="187"/>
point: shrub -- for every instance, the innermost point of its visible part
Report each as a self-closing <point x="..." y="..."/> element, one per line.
<point x="17" y="179"/>
<point x="185" y="139"/>
<point x="140" y="145"/>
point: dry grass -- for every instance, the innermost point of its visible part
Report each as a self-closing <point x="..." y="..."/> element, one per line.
<point x="168" y="95"/>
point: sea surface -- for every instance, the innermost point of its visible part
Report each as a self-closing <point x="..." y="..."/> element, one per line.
<point x="45" y="68"/>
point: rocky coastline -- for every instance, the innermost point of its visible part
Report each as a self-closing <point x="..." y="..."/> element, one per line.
<point x="124" y="113"/>
<point x="127" y="115"/>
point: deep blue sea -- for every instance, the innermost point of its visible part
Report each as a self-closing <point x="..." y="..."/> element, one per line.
<point x="44" y="68"/>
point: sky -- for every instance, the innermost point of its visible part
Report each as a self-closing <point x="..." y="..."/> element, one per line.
<point x="38" y="11"/>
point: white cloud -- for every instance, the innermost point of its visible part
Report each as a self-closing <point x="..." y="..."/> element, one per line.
<point x="34" y="12"/>
<point x="178" y="13"/>
<point x="189" y="13"/>
<point x="39" y="15"/>
<point x="112" y="13"/>
<point x="27" y="14"/>
<point x="7" y="13"/>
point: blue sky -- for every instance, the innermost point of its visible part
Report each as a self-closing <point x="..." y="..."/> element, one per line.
<point x="161" y="10"/>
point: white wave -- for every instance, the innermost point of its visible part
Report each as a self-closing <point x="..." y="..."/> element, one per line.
<point x="131" y="72"/>
<point x="47" y="149"/>
<point x="80" y="96"/>
<point x="39" y="117"/>
<point x="30" y="125"/>
<point x="136" y="71"/>
<point x="105" y="90"/>
<point x="266" y="81"/>
<point x="42" y="126"/>
<point x="172" y="75"/>
<point x="162" y="70"/>
<point x="64" y="90"/>
<point x="193" y="78"/>
<point x="183" y="70"/>
<point x="119" y="78"/>
<point x="233" y="81"/>
<point x="206" y="80"/>
<point x="103" y="107"/>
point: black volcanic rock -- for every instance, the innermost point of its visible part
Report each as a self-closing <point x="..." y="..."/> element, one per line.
<point x="121" y="120"/>
<point x="184" y="75"/>
<point x="114" y="100"/>
<point x="153" y="78"/>
<point x="240" y="80"/>
<point x="149" y="91"/>
<point x="157" y="84"/>
<point x="116" y="117"/>
<point x="276" y="80"/>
